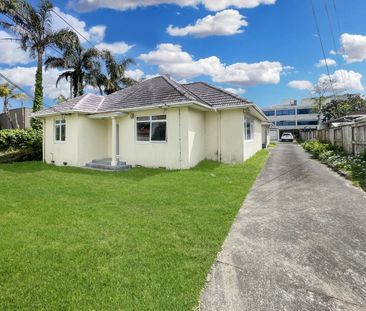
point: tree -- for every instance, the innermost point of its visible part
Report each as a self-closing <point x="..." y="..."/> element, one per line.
<point x="320" y="90"/>
<point x="115" y="78"/>
<point x="80" y="64"/>
<point x="61" y="99"/>
<point x="8" y="93"/>
<point x="338" y="108"/>
<point x="34" y="29"/>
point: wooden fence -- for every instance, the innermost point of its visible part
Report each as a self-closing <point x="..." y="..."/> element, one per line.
<point x="351" y="137"/>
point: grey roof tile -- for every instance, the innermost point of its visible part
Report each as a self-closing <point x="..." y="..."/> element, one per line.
<point x="153" y="92"/>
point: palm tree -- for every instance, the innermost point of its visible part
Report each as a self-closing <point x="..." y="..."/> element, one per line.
<point x="80" y="63"/>
<point x="34" y="28"/>
<point x="7" y="92"/>
<point x="115" y="79"/>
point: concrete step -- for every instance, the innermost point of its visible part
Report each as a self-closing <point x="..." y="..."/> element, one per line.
<point x="101" y="166"/>
<point x="107" y="161"/>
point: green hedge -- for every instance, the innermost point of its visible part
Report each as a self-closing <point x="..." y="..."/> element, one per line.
<point x="20" y="139"/>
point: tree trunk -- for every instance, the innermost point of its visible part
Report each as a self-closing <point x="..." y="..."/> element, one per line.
<point x="7" y="112"/>
<point x="38" y="93"/>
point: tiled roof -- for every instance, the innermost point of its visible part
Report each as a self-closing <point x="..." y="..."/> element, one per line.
<point x="87" y="103"/>
<point x="152" y="92"/>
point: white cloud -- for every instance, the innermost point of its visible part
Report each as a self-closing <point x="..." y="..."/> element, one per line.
<point x="25" y="76"/>
<point x="323" y="62"/>
<point x="11" y="53"/>
<point x="238" y="91"/>
<point x="116" y="47"/>
<point x="136" y="74"/>
<point x="354" y="47"/>
<point x="225" y="23"/>
<point x="95" y="33"/>
<point x="171" y="59"/>
<point x="213" y="5"/>
<point x="300" y="84"/>
<point x="332" y="52"/>
<point x="343" y="79"/>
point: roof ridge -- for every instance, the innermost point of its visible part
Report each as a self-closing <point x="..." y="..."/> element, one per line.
<point x="81" y="100"/>
<point x="207" y="103"/>
<point x="225" y="92"/>
<point x="178" y="87"/>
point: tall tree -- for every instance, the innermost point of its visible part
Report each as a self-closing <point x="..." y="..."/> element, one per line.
<point x="115" y="77"/>
<point x="7" y="92"/>
<point x="33" y="25"/>
<point x="339" y="108"/>
<point x="80" y="63"/>
<point x="320" y="90"/>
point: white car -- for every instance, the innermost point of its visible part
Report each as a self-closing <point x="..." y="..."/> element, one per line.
<point x="287" y="137"/>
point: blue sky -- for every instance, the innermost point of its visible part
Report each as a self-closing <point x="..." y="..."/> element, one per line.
<point x="265" y="53"/>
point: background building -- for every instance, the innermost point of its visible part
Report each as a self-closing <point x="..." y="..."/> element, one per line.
<point x="19" y="119"/>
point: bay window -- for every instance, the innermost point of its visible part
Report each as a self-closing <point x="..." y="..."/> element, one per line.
<point x="151" y="128"/>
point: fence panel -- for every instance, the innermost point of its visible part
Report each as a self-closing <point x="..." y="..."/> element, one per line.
<point x="352" y="138"/>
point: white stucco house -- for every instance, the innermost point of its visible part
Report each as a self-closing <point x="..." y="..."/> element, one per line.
<point x="155" y="123"/>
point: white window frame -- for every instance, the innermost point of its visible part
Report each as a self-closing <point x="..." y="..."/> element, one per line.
<point x="251" y="127"/>
<point x="58" y="123"/>
<point x="151" y="123"/>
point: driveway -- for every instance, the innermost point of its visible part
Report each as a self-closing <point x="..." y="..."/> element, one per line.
<point x="298" y="243"/>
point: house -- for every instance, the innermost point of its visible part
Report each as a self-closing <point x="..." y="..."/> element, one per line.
<point x="17" y="118"/>
<point x="155" y="123"/>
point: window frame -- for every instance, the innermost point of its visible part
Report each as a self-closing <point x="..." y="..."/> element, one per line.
<point x="57" y="127"/>
<point x="251" y="127"/>
<point x="151" y="121"/>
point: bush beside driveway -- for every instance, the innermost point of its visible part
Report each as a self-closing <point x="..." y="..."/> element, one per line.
<point x="138" y="240"/>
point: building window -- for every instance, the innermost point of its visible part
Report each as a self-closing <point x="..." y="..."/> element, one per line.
<point x="269" y="113"/>
<point x="248" y="128"/>
<point x="286" y="123"/>
<point x="60" y="130"/>
<point x="307" y="122"/>
<point x="151" y="128"/>
<point x="305" y="111"/>
<point x="285" y="112"/>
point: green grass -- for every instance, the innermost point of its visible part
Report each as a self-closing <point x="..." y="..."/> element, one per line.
<point x="74" y="239"/>
<point x="272" y="144"/>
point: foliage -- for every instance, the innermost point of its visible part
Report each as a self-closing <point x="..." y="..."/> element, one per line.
<point x="336" y="158"/>
<point x="20" y="139"/>
<point x="115" y="78"/>
<point x="33" y="26"/>
<point x="338" y="108"/>
<point x="144" y="239"/>
<point x="20" y="155"/>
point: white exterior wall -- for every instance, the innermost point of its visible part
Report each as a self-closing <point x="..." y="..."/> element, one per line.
<point x="252" y="147"/>
<point x="192" y="135"/>
<point x="86" y="139"/>
<point x="172" y="154"/>
<point x="60" y="152"/>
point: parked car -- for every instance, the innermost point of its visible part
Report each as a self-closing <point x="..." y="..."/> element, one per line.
<point x="287" y="137"/>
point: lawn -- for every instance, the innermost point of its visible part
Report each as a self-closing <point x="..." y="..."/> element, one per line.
<point x="139" y="240"/>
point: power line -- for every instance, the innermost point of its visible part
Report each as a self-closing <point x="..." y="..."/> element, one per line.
<point x="17" y="86"/>
<point x="334" y="40"/>
<point x="77" y="31"/>
<point x="322" y="45"/>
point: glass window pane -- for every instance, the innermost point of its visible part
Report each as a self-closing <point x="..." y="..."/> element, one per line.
<point x="63" y="132"/>
<point x="139" y="119"/>
<point x="143" y="131"/>
<point x="158" y="131"/>
<point x="57" y="132"/>
<point x="269" y="113"/>
<point x="162" y="117"/>
<point x="285" y="112"/>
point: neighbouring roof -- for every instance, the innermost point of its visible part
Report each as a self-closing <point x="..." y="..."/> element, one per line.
<point x="156" y="91"/>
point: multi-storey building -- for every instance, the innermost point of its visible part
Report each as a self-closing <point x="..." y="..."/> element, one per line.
<point x="291" y="115"/>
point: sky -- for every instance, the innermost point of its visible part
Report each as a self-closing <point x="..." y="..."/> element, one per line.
<point x="263" y="50"/>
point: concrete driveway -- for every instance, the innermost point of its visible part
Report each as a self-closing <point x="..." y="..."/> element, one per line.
<point x="298" y="243"/>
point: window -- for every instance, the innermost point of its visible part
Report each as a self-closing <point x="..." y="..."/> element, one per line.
<point x="151" y="128"/>
<point x="60" y="130"/>
<point x="305" y="111"/>
<point x="307" y="122"/>
<point x="269" y="113"/>
<point x="285" y="112"/>
<point x="286" y="123"/>
<point x="248" y="128"/>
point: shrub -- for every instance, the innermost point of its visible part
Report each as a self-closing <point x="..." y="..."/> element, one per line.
<point x="20" y="139"/>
